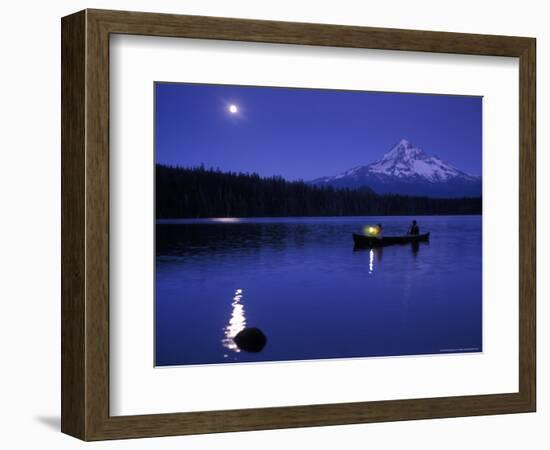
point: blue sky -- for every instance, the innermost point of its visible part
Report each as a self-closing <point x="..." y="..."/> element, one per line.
<point x="308" y="133"/>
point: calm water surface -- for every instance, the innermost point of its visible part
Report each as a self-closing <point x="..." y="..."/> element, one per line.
<point x="300" y="281"/>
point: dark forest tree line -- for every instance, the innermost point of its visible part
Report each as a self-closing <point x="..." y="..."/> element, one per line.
<point x="201" y="193"/>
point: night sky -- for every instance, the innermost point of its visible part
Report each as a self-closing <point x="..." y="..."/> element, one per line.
<point x="308" y="133"/>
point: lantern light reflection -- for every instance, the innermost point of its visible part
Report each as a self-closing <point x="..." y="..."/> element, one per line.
<point x="371" y="261"/>
<point x="237" y="322"/>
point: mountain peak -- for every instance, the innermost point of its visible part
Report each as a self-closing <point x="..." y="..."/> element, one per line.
<point x="406" y="168"/>
<point x="404" y="143"/>
<point x="405" y="160"/>
<point x="403" y="150"/>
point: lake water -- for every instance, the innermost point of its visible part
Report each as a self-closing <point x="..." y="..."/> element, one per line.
<point x="300" y="281"/>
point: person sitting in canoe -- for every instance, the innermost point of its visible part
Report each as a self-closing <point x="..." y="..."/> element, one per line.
<point x="413" y="228"/>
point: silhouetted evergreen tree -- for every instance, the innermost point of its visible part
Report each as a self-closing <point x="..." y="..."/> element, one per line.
<point x="200" y="193"/>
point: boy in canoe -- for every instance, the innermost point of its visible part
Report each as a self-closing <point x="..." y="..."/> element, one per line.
<point x="413" y="229"/>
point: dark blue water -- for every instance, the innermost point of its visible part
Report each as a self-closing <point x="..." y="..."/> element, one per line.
<point x="301" y="283"/>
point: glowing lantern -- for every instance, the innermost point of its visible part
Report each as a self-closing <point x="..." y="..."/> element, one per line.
<point x="371" y="230"/>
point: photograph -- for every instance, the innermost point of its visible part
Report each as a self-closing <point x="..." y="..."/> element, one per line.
<point x="301" y="224"/>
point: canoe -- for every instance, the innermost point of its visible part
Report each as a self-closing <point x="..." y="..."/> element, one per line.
<point x="361" y="240"/>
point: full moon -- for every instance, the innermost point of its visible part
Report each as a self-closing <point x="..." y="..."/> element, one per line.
<point x="233" y="109"/>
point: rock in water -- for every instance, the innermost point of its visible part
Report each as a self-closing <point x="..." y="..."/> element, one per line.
<point x="250" y="340"/>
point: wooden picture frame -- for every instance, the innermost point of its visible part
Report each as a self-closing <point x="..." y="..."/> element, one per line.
<point x="85" y="224"/>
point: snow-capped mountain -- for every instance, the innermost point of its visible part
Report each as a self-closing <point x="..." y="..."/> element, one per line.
<point x="407" y="170"/>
